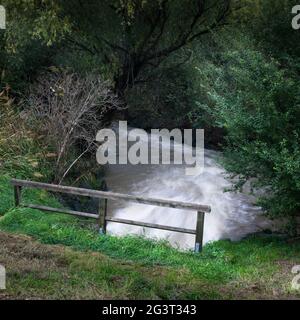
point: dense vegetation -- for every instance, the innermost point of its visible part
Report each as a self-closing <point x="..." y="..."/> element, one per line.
<point x="231" y="67"/>
<point x="68" y="68"/>
<point x="90" y="266"/>
<point x="256" y="102"/>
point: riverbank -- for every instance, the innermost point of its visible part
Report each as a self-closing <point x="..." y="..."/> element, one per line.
<point x="54" y="256"/>
<point x="39" y="271"/>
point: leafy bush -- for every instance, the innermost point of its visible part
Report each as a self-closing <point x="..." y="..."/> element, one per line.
<point x="256" y="100"/>
<point x="22" y="152"/>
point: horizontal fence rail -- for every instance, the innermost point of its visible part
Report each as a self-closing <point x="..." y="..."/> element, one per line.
<point x="104" y="196"/>
<point x="151" y="225"/>
<point x="111" y="195"/>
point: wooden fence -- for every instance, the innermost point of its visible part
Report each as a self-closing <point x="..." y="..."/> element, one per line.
<point x="104" y="196"/>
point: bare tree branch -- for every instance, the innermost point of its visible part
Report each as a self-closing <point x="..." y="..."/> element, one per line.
<point x="69" y="110"/>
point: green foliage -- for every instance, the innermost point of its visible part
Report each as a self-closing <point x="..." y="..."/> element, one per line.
<point x="123" y="38"/>
<point x="270" y="23"/>
<point x="135" y="36"/>
<point x="247" y="82"/>
<point x="33" y="32"/>
<point x="249" y="94"/>
<point x="22" y="151"/>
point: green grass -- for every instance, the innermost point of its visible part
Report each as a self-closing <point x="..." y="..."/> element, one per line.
<point x="128" y="267"/>
<point x="35" y="270"/>
<point x="255" y="260"/>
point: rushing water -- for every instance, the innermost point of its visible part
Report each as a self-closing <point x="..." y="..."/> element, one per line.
<point x="233" y="215"/>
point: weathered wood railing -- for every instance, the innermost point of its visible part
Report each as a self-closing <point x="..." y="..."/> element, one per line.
<point x="102" y="214"/>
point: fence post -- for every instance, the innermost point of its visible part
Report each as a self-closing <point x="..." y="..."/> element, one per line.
<point x="199" y="232"/>
<point x="102" y="215"/>
<point x="18" y="195"/>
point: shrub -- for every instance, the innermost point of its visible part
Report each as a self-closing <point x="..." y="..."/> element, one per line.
<point x="68" y="110"/>
<point x="256" y="100"/>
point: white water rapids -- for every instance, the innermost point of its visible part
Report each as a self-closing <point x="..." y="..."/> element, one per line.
<point x="233" y="215"/>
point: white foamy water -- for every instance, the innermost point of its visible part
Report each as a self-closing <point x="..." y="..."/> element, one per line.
<point x="233" y="215"/>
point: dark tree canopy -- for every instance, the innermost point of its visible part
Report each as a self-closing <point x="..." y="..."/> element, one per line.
<point x="127" y="36"/>
<point x="132" y="35"/>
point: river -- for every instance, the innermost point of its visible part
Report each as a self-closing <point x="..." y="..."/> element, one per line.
<point x="234" y="215"/>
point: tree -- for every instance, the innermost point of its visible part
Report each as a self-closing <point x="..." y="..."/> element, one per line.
<point x="128" y="36"/>
<point x="255" y="100"/>
<point x="68" y="110"/>
<point x="33" y="32"/>
<point x="136" y="35"/>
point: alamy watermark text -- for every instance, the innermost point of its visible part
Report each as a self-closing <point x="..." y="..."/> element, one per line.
<point x="161" y="146"/>
<point x="296" y="18"/>
<point x="2" y="278"/>
<point x="2" y="17"/>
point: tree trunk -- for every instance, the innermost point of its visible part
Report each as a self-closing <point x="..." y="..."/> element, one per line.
<point x="125" y="80"/>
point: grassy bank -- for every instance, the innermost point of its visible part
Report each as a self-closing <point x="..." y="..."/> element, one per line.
<point x="35" y="270"/>
<point x="257" y="267"/>
<point x="88" y="265"/>
<point x="57" y="272"/>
